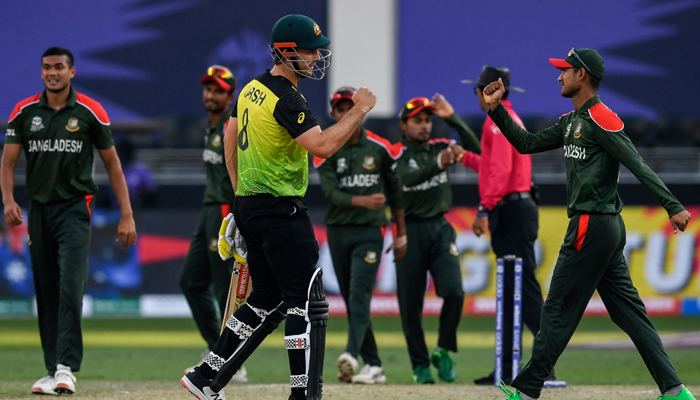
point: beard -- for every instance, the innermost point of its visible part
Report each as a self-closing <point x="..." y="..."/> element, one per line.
<point x="214" y="108"/>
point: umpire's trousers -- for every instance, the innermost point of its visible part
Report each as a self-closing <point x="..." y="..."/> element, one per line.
<point x="431" y="247"/>
<point x="59" y="241"/>
<point x="357" y="252"/>
<point x="592" y="258"/>
<point x="513" y="228"/>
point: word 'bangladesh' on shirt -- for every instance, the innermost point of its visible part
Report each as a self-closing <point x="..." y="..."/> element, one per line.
<point x="55" y="145"/>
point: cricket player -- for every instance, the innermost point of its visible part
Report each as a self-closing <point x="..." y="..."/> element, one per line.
<point x="591" y="257"/>
<point x="354" y="181"/>
<point x="205" y="277"/>
<point x="431" y="239"/>
<point x="57" y="129"/>
<point x="270" y="132"/>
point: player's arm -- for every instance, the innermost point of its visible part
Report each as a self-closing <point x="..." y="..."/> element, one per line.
<point x="444" y="110"/>
<point x="324" y="143"/>
<point x="525" y="142"/>
<point x="231" y="151"/>
<point x="126" y="232"/>
<point x="393" y="189"/>
<point x="10" y="155"/>
<point x="413" y="176"/>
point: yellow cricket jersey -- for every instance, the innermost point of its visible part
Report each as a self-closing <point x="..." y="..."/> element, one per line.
<point x="271" y="114"/>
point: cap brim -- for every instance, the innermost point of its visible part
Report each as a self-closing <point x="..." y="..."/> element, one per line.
<point x="470" y="82"/>
<point x="513" y="88"/>
<point x="220" y="82"/>
<point x="560" y="63"/>
<point x="336" y="101"/>
<point x="415" y="112"/>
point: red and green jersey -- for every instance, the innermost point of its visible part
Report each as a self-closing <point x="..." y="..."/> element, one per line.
<point x="594" y="144"/>
<point x="219" y="189"/>
<point x="58" y="144"/>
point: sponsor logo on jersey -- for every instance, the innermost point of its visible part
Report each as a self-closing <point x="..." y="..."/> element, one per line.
<point x="577" y="152"/>
<point x="433" y="182"/>
<point x="577" y="132"/>
<point x="36" y="124"/>
<point x="371" y="257"/>
<point x="359" y="180"/>
<point x="368" y="162"/>
<point x="55" y="145"/>
<point x="341" y="166"/>
<point x="568" y="130"/>
<point x="412" y="164"/>
<point x="453" y="249"/>
<point x="10" y="132"/>
<point x="216" y="141"/>
<point x="300" y="120"/>
<point x="72" y="125"/>
<point x="212" y="157"/>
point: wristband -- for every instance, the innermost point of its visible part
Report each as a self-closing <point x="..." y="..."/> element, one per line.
<point x="481" y="209"/>
<point x="480" y="215"/>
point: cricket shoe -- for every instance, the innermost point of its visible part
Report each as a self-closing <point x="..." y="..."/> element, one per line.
<point x="511" y="395"/>
<point x="347" y="366"/>
<point x="683" y="395"/>
<point x="446" y="367"/>
<point x="64" y="380"/>
<point x="44" y="385"/>
<point x="199" y="386"/>
<point x="422" y="375"/>
<point x="370" y="374"/>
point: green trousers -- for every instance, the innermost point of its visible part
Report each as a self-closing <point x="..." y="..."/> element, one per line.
<point x="591" y="259"/>
<point x="59" y="241"/>
<point x="205" y="278"/>
<point x="431" y="248"/>
<point x="356" y="252"/>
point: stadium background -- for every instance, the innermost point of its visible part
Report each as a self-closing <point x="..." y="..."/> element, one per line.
<point x="142" y="60"/>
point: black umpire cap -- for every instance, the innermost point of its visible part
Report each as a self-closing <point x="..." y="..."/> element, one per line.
<point x="491" y="74"/>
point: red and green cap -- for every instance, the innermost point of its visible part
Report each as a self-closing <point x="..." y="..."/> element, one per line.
<point x="343" y="93"/>
<point x="414" y="106"/>
<point x="588" y="59"/>
<point x="222" y="76"/>
<point x="300" y="31"/>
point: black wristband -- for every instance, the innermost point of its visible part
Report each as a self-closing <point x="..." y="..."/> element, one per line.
<point x="482" y="210"/>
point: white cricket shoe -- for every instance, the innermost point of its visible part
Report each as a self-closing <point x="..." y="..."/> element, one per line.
<point x="200" y="387"/>
<point x="347" y="366"/>
<point x="64" y="380"/>
<point x="370" y="374"/>
<point x="44" y="385"/>
<point x="241" y="376"/>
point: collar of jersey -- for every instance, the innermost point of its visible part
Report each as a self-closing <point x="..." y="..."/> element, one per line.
<point x="72" y="96"/>
<point x="588" y="104"/>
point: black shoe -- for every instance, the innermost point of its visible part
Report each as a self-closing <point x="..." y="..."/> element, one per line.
<point x="488" y="380"/>
<point x="199" y="386"/>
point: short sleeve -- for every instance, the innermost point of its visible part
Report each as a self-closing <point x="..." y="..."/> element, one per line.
<point x="102" y="137"/>
<point x="234" y="110"/>
<point x="293" y="114"/>
<point x="14" y="133"/>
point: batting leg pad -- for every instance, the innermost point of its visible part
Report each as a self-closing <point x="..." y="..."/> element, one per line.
<point x="251" y="339"/>
<point x="313" y="341"/>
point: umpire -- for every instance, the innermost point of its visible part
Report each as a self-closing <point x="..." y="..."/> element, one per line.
<point x="431" y="239"/>
<point x="591" y="257"/>
<point x="508" y="210"/>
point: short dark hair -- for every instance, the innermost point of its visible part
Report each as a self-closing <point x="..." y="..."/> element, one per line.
<point x="59" y="51"/>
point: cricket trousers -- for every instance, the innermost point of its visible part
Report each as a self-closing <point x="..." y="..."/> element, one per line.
<point x="205" y="278"/>
<point x="513" y="228"/>
<point x="356" y="252"/>
<point x="431" y="248"/>
<point x="592" y="258"/>
<point x="59" y="241"/>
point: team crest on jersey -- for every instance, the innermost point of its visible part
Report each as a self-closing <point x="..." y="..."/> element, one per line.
<point x="72" y="124"/>
<point x="216" y="141"/>
<point x="368" y="162"/>
<point x="568" y="130"/>
<point x="371" y="257"/>
<point x="317" y="30"/>
<point x="577" y="132"/>
<point x="37" y="124"/>
<point x="341" y="166"/>
<point x="454" y="250"/>
<point x="214" y="244"/>
<point x="412" y="164"/>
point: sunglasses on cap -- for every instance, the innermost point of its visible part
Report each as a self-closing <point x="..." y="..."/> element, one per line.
<point x="343" y="94"/>
<point x="417" y="102"/>
<point x="572" y="52"/>
<point x="218" y="70"/>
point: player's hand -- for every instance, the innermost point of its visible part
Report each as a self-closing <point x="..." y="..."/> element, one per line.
<point x="446" y="158"/>
<point x="457" y="152"/>
<point x="443" y="108"/>
<point x="231" y="243"/>
<point x="493" y="93"/>
<point x="126" y="231"/>
<point x="480" y="225"/>
<point x="399" y="247"/>
<point x="375" y="201"/>
<point x="13" y="213"/>
<point x="680" y="221"/>
<point x="364" y="99"/>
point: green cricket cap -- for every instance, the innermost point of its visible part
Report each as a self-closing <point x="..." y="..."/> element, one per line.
<point x="296" y="30"/>
<point x="588" y="59"/>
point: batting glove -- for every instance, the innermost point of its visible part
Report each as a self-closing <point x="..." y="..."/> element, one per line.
<point x="231" y="243"/>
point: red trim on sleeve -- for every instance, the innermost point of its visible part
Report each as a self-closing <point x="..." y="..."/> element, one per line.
<point x="561" y="116"/>
<point x="582" y="229"/>
<point x="88" y="200"/>
<point x="382" y="229"/>
<point x="393" y="150"/>
<point x="605" y="118"/>
<point x="24" y="103"/>
<point x="94" y="107"/>
<point x="226" y="125"/>
<point x="318" y="161"/>
<point x="441" y="140"/>
<point x="225" y="210"/>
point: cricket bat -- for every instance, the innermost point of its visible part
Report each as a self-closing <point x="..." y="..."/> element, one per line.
<point x="238" y="291"/>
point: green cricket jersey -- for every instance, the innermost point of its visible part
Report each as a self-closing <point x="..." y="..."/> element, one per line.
<point x="360" y="169"/>
<point x="271" y="114"/>
<point x="426" y="187"/>
<point x="58" y="145"/>
<point x="219" y="189"/>
<point x="594" y="146"/>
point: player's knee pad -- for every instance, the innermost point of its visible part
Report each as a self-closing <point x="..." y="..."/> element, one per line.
<point x="313" y="341"/>
<point x="251" y="337"/>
